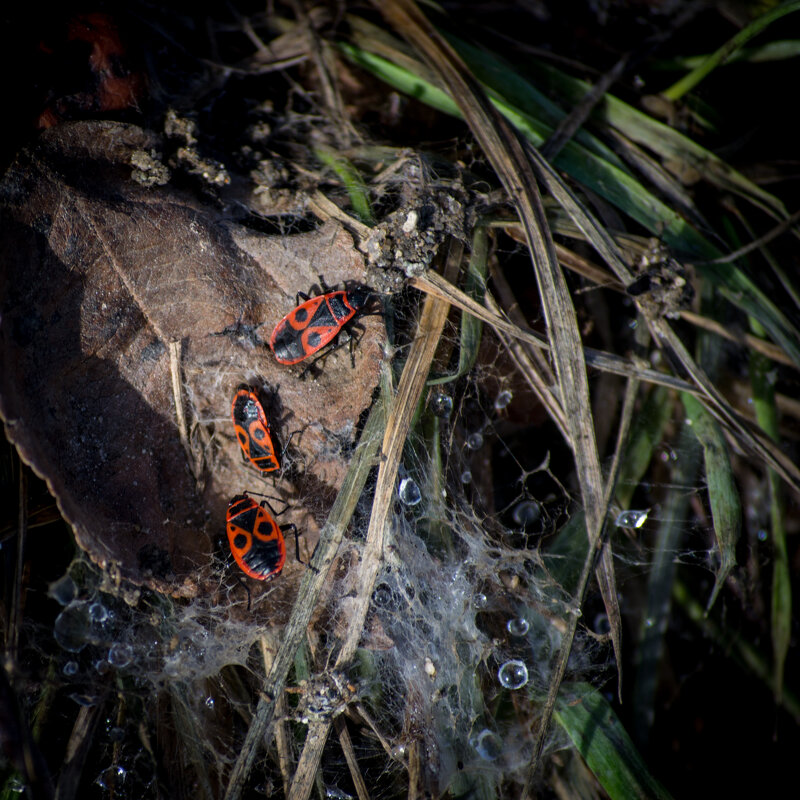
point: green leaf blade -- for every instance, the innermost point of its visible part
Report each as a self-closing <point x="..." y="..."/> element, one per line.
<point x="590" y="722"/>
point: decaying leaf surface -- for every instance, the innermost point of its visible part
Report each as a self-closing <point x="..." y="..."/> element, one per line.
<point x="101" y="275"/>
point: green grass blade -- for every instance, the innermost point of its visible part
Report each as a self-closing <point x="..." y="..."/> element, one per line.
<point x="351" y="179"/>
<point x="781" y="605"/>
<point x="748" y="657"/>
<point x="771" y="51"/>
<point x="670" y="145"/>
<point x="605" y="178"/>
<point x="723" y="495"/>
<point x="508" y="87"/>
<point x="615" y="184"/>
<point x="723" y="54"/>
<point x="646" y="432"/>
<point x="473" y="784"/>
<point x="660" y="582"/>
<point x="475" y="287"/>
<point x="565" y="552"/>
<point x="595" y="730"/>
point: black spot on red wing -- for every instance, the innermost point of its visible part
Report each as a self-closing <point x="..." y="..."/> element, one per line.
<point x="239" y="541"/>
<point x="247" y="518"/>
<point x="288" y="346"/>
<point x="242" y="438"/>
<point x="313" y="339"/>
<point x="265" y="528"/>
<point x="259" y="434"/>
<point x="258" y="451"/>
<point x="300" y="315"/>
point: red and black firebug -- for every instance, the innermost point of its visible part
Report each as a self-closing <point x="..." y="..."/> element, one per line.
<point x="252" y="430"/>
<point x="315" y="322"/>
<point x="257" y="542"/>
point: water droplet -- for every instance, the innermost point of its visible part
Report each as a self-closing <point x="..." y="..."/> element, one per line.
<point x="335" y="793"/>
<point x="513" y="674"/>
<point x="409" y="492"/>
<point x="116" y="734"/>
<point x="480" y="601"/>
<point x="120" y="655"/>
<point x="762" y="535"/>
<point x="63" y="590"/>
<point x="71" y="628"/>
<point x="102" y="666"/>
<point x="441" y="404"/>
<point x="601" y="624"/>
<point x="518" y="627"/>
<point x="16" y="785"/>
<point x="649" y="622"/>
<point x="527" y="513"/>
<point x="632" y="518"/>
<point x="98" y="612"/>
<point x="70" y="668"/>
<point x="383" y="597"/>
<point x="668" y="454"/>
<point x="466" y="476"/>
<point x="209" y="702"/>
<point x="488" y="744"/>
<point x="502" y="400"/>
<point x="475" y="441"/>
<point x="633" y="324"/>
<point x="111" y="777"/>
<point x="87" y="700"/>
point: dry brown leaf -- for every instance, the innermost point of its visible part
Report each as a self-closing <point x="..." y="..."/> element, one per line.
<point x="101" y="276"/>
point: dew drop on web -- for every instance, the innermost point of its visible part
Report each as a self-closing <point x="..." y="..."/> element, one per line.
<point x="513" y="674"/>
<point x="409" y="492"/>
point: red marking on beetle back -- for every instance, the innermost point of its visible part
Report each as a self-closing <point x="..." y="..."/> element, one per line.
<point x="316" y="322"/>
<point x="255" y="539"/>
<point x="252" y="430"/>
